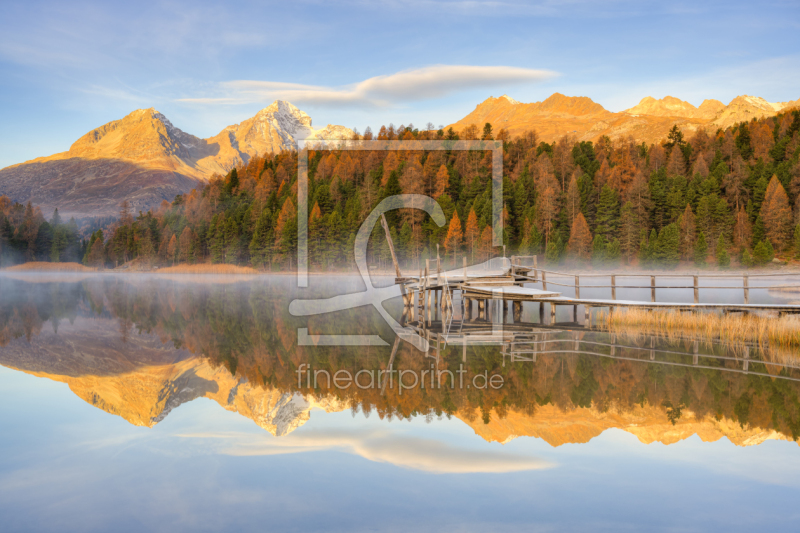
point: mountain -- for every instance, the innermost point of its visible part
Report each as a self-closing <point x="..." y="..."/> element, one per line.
<point x="649" y="121"/>
<point x="649" y="424"/>
<point x="144" y="159"/>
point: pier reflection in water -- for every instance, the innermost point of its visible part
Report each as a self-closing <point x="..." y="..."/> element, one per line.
<point x="190" y="366"/>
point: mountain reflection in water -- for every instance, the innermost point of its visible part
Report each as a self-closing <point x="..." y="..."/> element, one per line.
<point x="139" y="347"/>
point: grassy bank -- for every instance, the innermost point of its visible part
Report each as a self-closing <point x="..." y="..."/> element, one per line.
<point x="207" y="269"/>
<point x="732" y="328"/>
<point x="43" y="266"/>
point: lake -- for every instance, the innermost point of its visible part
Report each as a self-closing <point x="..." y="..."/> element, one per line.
<point x="186" y="403"/>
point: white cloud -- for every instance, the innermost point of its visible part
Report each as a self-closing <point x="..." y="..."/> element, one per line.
<point x="409" y="85"/>
<point x="379" y="446"/>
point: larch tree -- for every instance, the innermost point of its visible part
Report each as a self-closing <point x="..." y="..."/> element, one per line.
<point x="452" y="243"/>
<point x="172" y="249"/>
<point x="441" y="181"/>
<point x="776" y="214"/>
<point x="486" y="243"/>
<point x="742" y="230"/>
<point x="580" y="238"/>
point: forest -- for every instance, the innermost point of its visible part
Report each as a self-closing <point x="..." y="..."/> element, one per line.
<point x="710" y="199"/>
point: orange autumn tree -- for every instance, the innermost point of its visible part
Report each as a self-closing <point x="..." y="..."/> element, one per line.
<point x="441" y="182"/>
<point x="580" y="238"/>
<point x="452" y="243"/>
<point x="776" y="214"/>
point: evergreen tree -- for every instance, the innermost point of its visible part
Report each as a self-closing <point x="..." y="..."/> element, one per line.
<point x="763" y="253"/>
<point x="669" y="242"/>
<point x="700" y="250"/>
<point x="723" y="259"/>
<point x="796" y="240"/>
<point x="607" y="213"/>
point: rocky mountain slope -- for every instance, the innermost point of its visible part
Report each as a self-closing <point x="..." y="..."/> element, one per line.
<point x="649" y="121"/>
<point x="144" y="159"/>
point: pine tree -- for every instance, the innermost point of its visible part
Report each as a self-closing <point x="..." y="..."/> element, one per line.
<point x="763" y="252"/>
<point x="669" y="243"/>
<point x="723" y="259"/>
<point x="796" y="241"/>
<point x="607" y="213"/>
<point x="700" y="250"/>
<point x="629" y="232"/>
<point x="599" y="250"/>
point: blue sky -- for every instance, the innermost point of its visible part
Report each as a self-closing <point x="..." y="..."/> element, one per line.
<point x="68" y="67"/>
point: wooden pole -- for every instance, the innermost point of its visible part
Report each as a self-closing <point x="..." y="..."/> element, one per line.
<point x="696" y="290"/>
<point x="544" y="280"/>
<point x="577" y="287"/>
<point x="552" y="314"/>
<point x="541" y="313"/>
<point x="652" y="288"/>
<point x="613" y="287"/>
<point x="746" y="283"/>
<point x="391" y="246"/>
<point x="535" y="268"/>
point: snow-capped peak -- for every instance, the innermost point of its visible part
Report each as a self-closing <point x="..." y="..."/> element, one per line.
<point x="510" y="100"/>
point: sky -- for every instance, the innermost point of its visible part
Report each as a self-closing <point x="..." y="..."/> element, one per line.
<point x="69" y="67"/>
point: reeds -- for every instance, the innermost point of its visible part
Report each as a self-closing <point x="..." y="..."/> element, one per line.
<point x="766" y="331"/>
<point x="43" y="266"/>
<point x="207" y="269"/>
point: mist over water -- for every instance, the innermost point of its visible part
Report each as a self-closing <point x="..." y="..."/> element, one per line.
<point x="182" y="403"/>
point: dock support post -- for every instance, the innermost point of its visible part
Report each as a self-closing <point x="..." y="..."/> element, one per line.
<point x="587" y="318"/>
<point x="652" y="288"/>
<point x="481" y="308"/>
<point x="696" y="290"/>
<point x="541" y="313"/>
<point x="552" y="314"/>
<point x="613" y="344"/>
<point x="517" y="311"/>
<point x="544" y="280"/>
<point x="746" y="283"/>
<point x="613" y="287"/>
<point x="465" y="270"/>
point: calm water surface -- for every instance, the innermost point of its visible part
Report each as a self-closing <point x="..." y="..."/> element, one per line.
<point x="154" y="404"/>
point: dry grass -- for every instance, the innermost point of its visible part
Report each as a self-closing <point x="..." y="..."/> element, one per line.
<point x="207" y="269"/>
<point x="42" y="266"/>
<point x="766" y="331"/>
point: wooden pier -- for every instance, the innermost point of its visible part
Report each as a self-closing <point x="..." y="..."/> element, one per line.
<point x="503" y="281"/>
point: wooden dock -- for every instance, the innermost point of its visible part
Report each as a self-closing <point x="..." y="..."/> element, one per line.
<point x="500" y="282"/>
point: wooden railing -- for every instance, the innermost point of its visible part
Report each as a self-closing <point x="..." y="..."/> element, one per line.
<point x="540" y="276"/>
